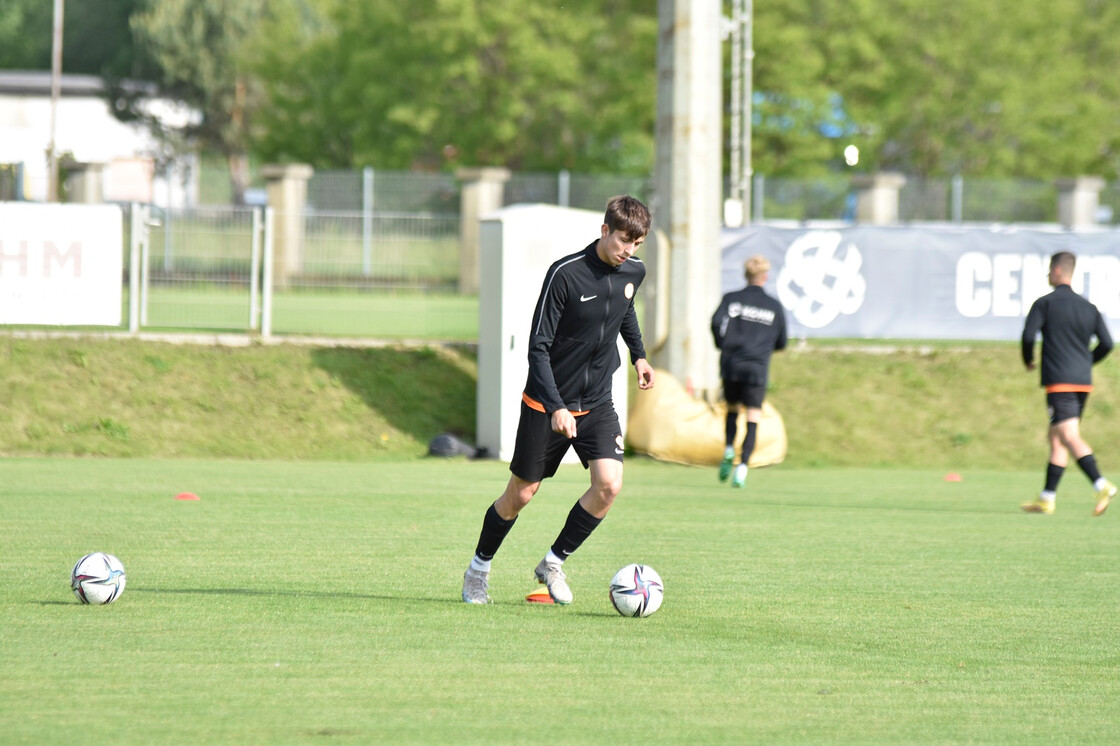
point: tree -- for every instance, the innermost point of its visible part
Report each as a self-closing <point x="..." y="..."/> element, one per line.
<point x="979" y="87"/>
<point x="95" y="39"/>
<point x="438" y="83"/>
<point x="198" y="47"/>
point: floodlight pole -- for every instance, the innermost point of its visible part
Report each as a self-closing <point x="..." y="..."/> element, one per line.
<point x="748" y="92"/>
<point x="56" y="87"/>
<point x="742" y="56"/>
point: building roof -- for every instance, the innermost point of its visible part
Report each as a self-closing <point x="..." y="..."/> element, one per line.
<point x="38" y="83"/>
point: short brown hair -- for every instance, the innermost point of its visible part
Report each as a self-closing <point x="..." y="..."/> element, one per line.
<point x="1064" y="259"/>
<point x="755" y="266"/>
<point x="628" y="216"/>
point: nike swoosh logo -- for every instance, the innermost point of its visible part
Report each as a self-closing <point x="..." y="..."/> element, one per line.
<point x="619" y="451"/>
<point x="585" y="298"/>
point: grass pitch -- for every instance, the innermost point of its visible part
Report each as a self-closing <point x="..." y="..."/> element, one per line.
<point x="300" y="602"/>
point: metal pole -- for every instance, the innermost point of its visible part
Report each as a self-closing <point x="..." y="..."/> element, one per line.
<point x="736" y="96"/>
<point x="748" y="91"/>
<point x="56" y="89"/>
<point x="145" y="254"/>
<point x="564" y="188"/>
<point x="255" y="268"/>
<point x="958" y="199"/>
<point x="134" y="238"/>
<point x="367" y="221"/>
<point x="267" y="284"/>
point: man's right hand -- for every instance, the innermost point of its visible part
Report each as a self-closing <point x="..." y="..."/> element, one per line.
<point x="564" y="422"/>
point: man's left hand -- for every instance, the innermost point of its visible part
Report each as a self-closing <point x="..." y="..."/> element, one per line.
<point x="645" y="374"/>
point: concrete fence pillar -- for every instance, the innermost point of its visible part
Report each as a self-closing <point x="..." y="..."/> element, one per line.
<point x="1078" y="201"/>
<point x="85" y="183"/>
<point x="877" y="197"/>
<point x="287" y="196"/>
<point x="481" y="194"/>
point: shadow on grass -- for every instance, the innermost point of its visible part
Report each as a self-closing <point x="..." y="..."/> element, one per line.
<point x="320" y="594"/>
<point x="292" y="594"/>
<point x="420" y="392"/>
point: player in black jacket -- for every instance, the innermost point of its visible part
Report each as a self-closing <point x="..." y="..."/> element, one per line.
<point x="1068" y="323"/>
<point x="586" y="301"/>
<point x="747" y="327"/>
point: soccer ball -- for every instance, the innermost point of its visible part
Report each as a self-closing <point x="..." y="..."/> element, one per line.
<point x="98" y="578"/>
<point x="637" y="590"/>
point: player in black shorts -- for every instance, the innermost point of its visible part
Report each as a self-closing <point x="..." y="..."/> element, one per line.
<point x="1068" y="323"/>
<point x="747" y="327"/>
<point x="586" y="302"/>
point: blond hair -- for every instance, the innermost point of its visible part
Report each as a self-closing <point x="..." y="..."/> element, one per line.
<point x="756" y="266"/>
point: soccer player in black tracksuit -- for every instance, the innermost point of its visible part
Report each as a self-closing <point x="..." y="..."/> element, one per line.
<point x="747" y="327"/>
<point x="1068" y="323"/>
<point x="586" y="301"/>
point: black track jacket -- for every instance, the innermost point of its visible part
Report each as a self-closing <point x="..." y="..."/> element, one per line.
<point x="573" y="345"/>
<point x="1067" y="322"/>
<point x="747" y="327"/>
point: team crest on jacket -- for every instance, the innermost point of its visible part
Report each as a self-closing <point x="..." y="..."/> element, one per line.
<point x="628" y="291"/>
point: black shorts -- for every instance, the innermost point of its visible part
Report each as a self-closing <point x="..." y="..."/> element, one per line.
<point x="1066" y="405"/>
<point x="538" y="450"/>
<point x="741" y="392"/>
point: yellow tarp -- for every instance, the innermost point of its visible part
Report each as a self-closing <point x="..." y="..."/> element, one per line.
<point x="668" y="423"/>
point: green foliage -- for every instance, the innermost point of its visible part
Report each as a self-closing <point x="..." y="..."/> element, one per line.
<point x="996" y="88"/>
<point x="95" y="36"/>
<point x="309" y="602"/>
<point x="440" y="83"/>
<point x="992" y="88"/>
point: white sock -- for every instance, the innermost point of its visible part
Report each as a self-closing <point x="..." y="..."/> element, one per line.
<point x="1100" y="483"/>
<point x="729" y="452"/>
<point x="480" y="565"/>
<point x="551" y="558"/>
<point x="1046" y="496"/>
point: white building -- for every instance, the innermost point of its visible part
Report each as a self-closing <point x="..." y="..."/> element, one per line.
<point x="117" y="160"/>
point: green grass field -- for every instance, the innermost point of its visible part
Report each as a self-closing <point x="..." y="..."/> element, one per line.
<point x="313" y="602"/>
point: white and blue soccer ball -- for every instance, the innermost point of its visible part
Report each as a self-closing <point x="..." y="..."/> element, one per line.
<point x="98" y="578"/>
<point x="637" y="590"/>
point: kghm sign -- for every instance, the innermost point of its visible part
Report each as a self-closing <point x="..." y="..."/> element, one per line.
<point x="60" y="264"/>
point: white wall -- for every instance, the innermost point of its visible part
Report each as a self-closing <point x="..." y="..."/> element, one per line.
<point x="87" y="129"/>
<point x="517" y="246"/>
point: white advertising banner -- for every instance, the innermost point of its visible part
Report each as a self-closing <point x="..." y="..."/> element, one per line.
<point x="60" y="264"/>
<point x="919" y="282"/>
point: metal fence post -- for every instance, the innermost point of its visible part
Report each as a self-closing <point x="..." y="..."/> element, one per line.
<point x="266" y="290"/>
<point x="957" y="198"/>
<point x="564" y="188"/>
<point x="145" y="256"/>
<point x="168" y="251"/>
<point x="255" y="271"/>
<point x="758" y="196"/>
<point x="367" y="221"/>
<point x="136" y="228"/>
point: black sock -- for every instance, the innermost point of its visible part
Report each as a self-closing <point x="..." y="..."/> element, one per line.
<point x="729" y="428"/>
<point x="578" y="527"/>
<point x="1053" y="476"/>
<point x="494" y="530"/>
<point x="748" y="442"/>
<point x="1088" y="465"/>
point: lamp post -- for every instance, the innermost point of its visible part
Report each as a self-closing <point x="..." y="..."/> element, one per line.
<point x="56" y="86"/>
<point x="738" y="210"/>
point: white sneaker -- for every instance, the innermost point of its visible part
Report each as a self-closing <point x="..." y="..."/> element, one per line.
<point x="475" y="585"/>
<point x="552" y="576"/>
<point x="739" y="478"/>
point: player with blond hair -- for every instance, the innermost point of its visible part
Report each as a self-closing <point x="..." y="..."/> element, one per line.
<point x="747" y="327"/>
